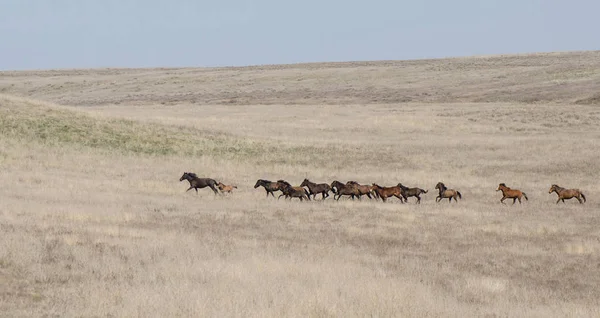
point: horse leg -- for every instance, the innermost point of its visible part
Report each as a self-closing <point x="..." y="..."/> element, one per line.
<point x="519" y="200"/>
<point x="515" y="200"/>
<point x="196" y="190"/>
<point x="399" y="197"/>
<point x="190" y="188"/>
<point x="418" y="199"/>
<point x="558" y="200"/>
<point x="212" y="187"/>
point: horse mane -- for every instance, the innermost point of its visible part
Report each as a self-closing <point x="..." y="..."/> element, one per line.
<point x="191" y="174"/>
<point x="284" y="182"/>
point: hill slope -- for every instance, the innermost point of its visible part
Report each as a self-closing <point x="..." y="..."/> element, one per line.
<point x="94" y="220"/>
<point x="571" y="77"/>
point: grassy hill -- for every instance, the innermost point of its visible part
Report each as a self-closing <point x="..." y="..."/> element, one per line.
<point x="571" y="77"/>
<point x="94" y="220"/>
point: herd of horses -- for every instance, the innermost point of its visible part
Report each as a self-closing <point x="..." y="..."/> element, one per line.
<point x="354" y="190"/>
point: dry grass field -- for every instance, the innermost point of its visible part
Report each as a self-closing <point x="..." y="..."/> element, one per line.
<point x="94" y="220"/>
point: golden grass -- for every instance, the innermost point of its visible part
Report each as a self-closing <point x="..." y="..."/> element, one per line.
<point x="94" y="222"/>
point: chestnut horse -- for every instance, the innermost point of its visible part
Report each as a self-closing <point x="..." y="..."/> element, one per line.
<point x="226" y="188"/>
<point x="362" y="189"/>
<point x="508" y="193"/>
<point x="446" y="193"/>
<point x="566" y="194"/>
<point x="386" y="192"/>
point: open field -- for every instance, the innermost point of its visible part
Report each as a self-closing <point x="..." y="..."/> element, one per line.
<point x="94" y="220"/>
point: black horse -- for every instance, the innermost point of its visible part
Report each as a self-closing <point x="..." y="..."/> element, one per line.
<point x="199" y="183"/>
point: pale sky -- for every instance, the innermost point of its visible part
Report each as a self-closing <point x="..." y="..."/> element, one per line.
<point x="46" y="34"/>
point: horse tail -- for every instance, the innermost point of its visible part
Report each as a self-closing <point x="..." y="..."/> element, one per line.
<point x="424" y="191"/>
<point x="525" y="196"/>
<point x="459" y="195"/>
<point x="583" y="196"/>
<point x="235" y="187"/>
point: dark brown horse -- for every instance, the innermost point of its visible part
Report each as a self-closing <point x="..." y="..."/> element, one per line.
<point x="411" y="192"/>
<point x="336" y="185"/>
<point x="508" y="193"/>
<point x="566" y="194"/>
<point x="290" y="191"/>
<point x="341" y="189"/>
<point x="269" y="186"/>
<point x="362" y="189"/>
<point x="386" y="192"/>
<point x="446" y="193"/>
<point x="198" y="183"/>
<point x="314" y="189"/>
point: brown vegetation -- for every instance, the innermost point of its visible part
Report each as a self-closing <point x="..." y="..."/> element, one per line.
<point x="93" y="221"/>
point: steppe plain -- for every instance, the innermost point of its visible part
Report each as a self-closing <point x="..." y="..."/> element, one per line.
<point x="94" y="220"/>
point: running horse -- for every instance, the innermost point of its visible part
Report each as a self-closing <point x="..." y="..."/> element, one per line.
<point x="290" y="191"/>
<point x="446" y="193"/>
<point x="269" y="186"/>
<point x="314" y="188"/>
<point x="199" y="183"/>
<point x="341" y="189"/>
<point x="362" y="189"/>
<point x="508" y="193"/>
<point x="566" y="194"/>
<point x="386" y="192"/>
<point x="411" y="192"/>
<point x="225" y="188"/>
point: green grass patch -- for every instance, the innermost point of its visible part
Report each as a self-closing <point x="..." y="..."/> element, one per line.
<point x="27" y="120"/>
